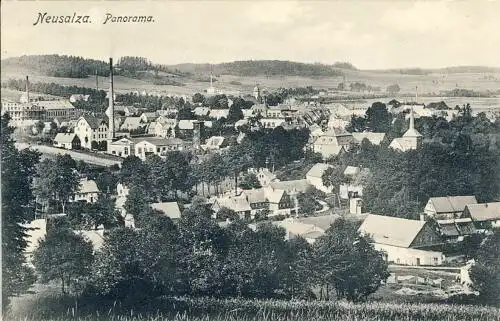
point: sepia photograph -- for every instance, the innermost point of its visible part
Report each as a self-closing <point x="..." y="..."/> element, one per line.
<point x="263" y="160"/>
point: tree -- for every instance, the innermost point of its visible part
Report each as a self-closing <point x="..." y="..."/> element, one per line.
<point x="347" y="263"/>
<point x="226" y="214"/>
<point x="198" y="98"/>
<point x="393" y="89"/>
<point x="56" y="180"/>
<point x="235" y="114"/>
<point x="307" y="203"/>
<point x="65" y="256"/>
<point x="485" y="274"/>
<point x="249" y="181"/>
<point x="134" y="265"/>
<point x="17" y="206"/>
<point x="378" y="118"/>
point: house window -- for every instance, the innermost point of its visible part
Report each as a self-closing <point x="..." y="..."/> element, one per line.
<point x="158" y="149"/>
<point x="139" y="150"/>
<point x="435" y="261"/>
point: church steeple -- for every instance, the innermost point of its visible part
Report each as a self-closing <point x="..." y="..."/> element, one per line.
<point x="412" y="132"/>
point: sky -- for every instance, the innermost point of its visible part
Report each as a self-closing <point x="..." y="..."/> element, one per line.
<point x="369" y="34"/>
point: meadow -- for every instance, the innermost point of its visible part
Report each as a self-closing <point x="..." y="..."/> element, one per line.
<point x="57" y="307"/>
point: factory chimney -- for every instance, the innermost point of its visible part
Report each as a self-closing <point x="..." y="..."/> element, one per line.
<point x="27" y="89"/>
<point x="110" y="112"/>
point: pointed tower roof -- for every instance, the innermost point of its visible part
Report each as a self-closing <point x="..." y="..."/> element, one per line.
<point x="412" y="132"/>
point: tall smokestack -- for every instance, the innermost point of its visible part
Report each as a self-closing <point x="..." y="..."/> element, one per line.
<point x="111" y="108"/>
<point x="27" y="89"/>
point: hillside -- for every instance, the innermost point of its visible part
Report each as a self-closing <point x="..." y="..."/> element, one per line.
<point x="136" y="73"/>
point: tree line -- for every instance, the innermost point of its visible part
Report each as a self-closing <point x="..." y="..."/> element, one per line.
<point x="60" y="65"/>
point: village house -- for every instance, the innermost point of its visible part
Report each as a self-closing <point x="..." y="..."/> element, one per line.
<point x="315" y="177"/>
<point x="87" y="191"/>
<point x="148" y="117"/>
<point x="157" y="146"/>
<point x="219" y="113"/>
<point x="447" y="207"/>
<point x="484" y="215"/>
<point x="132" y="123"/>
<point x="295" y="228"/>
<point x="67" y="141"/>
<point x="78" y="97"/>
<point x="122" y="147"/>
<point x="264" y="175"/>
<point x="403" y="241"/>
<point x="357" y="178"/>
<point x="238" y="204"/>
<point x="170" y="209"/>
<point x="373" y="138"/>
<point x="333" y="142"/>
<point x="454" y="230"/>
<point x="90" y="129"/>
<point x="215" y="143"/>
<point x="273" y="122"/>
<point x="201" y="111"/>
<point x="163" y="127"/>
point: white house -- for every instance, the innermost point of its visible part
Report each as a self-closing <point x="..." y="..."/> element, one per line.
<point x="264" y="176"/>
<point x="90" y="129"/>
<point x="87" y="191"/>
<point x="219" y="113"/>
<point x="333" y="142"/>
<point x="157" y="146"/>
<point x="315" y="177"/>
<point x="402" y="241"/>
<point x="123" y="147"/>
<point x="67" y="141"/>
<point x="215" y="143"/>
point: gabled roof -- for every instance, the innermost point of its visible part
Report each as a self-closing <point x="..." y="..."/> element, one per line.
<point x="214" y="142"/>
<point x="318" y="169"/>
<point x="65" y="137"/>
<point x="484" y="211"/>
<point x="55" y="104"/>
<point x="131" y="122"/>
<point x="255" y="195"/>
<point x="274" y="196"/>
<point x="170" y="209"/>
<point x="450" y="204"/>
<point x="88" y="186"/>
<point x="93" y="121"/>
<point x="323" y="222"/>
<point x="235" y="203"/>
<point x="412" y="132"/>
<point x="404" y="143"/>
<point x="299" y="185"/>
<point x="374" y="138"/>
<point x="391" y="230"/>
<point x="96" y="237"/>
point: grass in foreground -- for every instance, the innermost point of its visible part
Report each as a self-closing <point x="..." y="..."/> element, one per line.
<point x="59" y="308"/>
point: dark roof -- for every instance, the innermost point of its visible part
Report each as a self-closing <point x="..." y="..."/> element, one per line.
<point x="93" y="121"/>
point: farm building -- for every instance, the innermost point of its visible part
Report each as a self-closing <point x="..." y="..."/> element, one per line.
<point x="448" y="207"/>
<point x="170" y="209"/>
<point x="403" y="241"/>
<point x="484" y="215"/>
<point x="67" y="141"/>
<point x="315" y="177"/>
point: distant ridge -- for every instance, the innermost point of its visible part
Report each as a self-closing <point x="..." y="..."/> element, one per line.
<point x="80" y="67"/>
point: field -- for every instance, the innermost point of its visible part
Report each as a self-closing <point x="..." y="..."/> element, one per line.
<point x="429" y="83"/>
<point x="57" y="307"/>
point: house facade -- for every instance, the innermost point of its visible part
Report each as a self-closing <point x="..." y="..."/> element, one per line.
<point x="403" y="241"/>
<point x="315" y="177"/>
<point x="87" y="192"/>
<point x="448" y="207"/>
<point x="91" y="130"/>
<point x="67" y="141"/>
<point x="157" y="146"/>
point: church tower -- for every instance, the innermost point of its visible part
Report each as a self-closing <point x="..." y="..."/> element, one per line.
<point x="413" y="134"/>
